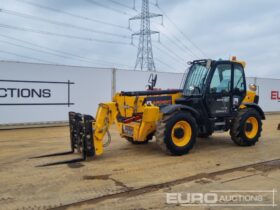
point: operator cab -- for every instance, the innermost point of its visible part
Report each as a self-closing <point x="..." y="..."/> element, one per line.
<point x="216" y="89"/>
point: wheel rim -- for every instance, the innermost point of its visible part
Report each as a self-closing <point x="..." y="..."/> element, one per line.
<point x="255" y="127"/>
<point x="180" y="138"/>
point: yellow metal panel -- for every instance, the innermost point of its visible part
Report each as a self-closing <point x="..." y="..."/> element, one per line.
<point x="145" y="129"/>
<point x="148" y="125"/>
<point x="150" y="114"/>
<point x="133" y="126"/>
<point x="250" y="97"/>
<point x="127" y="106"/>
<point x="105" y="116"/>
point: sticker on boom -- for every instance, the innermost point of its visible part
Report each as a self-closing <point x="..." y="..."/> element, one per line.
<point x="160" y="100"/>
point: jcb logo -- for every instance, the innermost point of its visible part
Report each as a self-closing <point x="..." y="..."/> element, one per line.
<point x="275" y="95"/>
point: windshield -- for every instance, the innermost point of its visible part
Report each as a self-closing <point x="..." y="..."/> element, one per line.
<point x="195" y="79"/>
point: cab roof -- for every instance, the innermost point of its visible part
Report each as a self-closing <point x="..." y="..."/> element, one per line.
<point x="233" y="59"/>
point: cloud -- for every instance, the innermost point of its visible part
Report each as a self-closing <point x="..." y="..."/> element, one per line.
<point x="248" y="29"/>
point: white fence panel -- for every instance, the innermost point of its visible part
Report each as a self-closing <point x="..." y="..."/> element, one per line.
<point x="31" y="93"/>
<point x="269" y="91"/>
<point x="25" y="102"/>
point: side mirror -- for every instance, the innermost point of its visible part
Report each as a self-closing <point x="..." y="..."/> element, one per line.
<point x="152" y="81"/>
<point x="194" y="90"/>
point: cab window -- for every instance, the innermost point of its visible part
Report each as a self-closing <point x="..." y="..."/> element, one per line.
<point x="221" y="79"/>
<point x="239" y="81"/>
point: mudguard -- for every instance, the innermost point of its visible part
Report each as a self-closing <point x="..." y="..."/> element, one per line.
<point x="257" y="107"/>
<point x="176" y="107"/>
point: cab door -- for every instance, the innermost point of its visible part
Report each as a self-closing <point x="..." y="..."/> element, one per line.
<point x="239" y="85"/>
<point x="219" y="91"/>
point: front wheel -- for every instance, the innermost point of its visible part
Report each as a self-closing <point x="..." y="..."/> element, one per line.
<point x="246" y="127"/>
<point x="177" y="133"/>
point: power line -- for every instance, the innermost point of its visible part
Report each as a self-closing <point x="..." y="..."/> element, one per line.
<point x="162" y="50"/>
<point x="23" y="56"/>
<point x="23" y="15"/>
<point x="173" y="52"/>
<point x="33" y="49"/>
<point x="61" y="35"/>
<point x="181" y="45"/>
<point x="186" y="47"/>
<point x="177" y="45"/>
<point x="67" y="57"/>
<point x="70" y="55"/>
<point x="173" y="42"/>
<point x="106" y="7"/>
<point x="169" y="54"/>
<point x="181" y="32"/>
<point x="71" y="14"/>
<point x="120" y="4"/>
<point x="104" y="66"/>
<point x="40" y="51"/>
<point x="165" y="64"/>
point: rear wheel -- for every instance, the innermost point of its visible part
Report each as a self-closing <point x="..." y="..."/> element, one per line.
<point x="177" y="133"/>
<point x="246" y="127"/>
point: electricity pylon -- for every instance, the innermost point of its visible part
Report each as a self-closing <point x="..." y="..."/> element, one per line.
<point x="145" y="58"/>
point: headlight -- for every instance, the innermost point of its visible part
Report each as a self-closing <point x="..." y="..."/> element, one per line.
<point x="253" y="87"/>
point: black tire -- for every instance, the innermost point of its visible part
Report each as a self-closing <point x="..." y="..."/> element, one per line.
<point x="238" y="127"/>
<point x="164" y="133"/>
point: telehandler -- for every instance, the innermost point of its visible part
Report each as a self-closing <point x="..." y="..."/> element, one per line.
<point x="214" y="97"/>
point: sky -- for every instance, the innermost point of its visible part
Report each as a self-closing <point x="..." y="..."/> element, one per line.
<point x="95" y="33"/>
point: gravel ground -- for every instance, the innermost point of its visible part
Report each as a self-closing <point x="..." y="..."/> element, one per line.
<point x="133" y="176"/>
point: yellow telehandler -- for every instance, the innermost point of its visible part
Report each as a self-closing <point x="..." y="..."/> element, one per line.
<point x="214" y="97"/>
